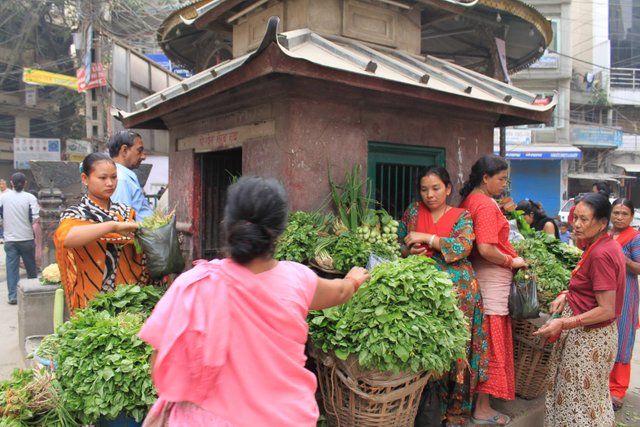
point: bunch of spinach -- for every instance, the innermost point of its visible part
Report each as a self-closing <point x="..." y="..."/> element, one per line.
<point x="129" y="298"/>
<point x="550" y="274"/>
<point x="103" y="367"/>
<point x="406" y="318"/>
<point x="299" y="238"/>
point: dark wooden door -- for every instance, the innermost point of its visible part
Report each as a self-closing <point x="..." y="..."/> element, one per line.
<point x="219" y="170"/>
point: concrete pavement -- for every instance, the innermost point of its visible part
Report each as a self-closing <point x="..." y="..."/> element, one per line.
<point x="10" y="354"/>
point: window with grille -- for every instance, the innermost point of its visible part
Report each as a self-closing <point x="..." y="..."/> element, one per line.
<point x="393" y="171"/>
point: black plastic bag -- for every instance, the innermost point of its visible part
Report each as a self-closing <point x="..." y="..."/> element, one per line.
<point x="430" y="407"/>
<point x="523" y="300"/>
<point x="162" y="249"/>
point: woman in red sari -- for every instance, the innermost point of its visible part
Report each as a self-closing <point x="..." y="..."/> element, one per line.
<point x="493" y="259"/>
<point x="629" y="239"/>
<point x="431" y="227"/>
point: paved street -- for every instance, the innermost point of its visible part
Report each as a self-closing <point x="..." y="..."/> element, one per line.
<point x="10" y="355"/>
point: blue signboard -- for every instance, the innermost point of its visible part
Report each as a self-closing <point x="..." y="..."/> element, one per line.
<point x="543" y="155"/>
<point x="595" y="136"/>
<point x="161" y="59"/>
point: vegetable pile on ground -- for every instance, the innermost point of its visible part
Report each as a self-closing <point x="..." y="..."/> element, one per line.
<point x="32" y="398"/>
<point x="550" y="274"/>
<point x="404" y="319"/>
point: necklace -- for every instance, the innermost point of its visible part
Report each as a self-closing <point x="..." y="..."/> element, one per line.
<point x="435" y="221"/>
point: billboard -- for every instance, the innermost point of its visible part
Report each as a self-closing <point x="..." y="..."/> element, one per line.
<point x="25" y="149"/>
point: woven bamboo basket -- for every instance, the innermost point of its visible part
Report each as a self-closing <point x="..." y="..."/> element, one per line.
<point x="354" y="398"/>
<point x="531" y="356"/>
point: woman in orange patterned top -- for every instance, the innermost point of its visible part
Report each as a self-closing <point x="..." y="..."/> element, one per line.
<point x="94" y="241"/>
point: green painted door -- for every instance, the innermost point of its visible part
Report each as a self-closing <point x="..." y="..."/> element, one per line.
<point x="393" y="171"/>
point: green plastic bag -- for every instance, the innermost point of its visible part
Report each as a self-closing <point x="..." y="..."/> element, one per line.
<point x="162" y="249"/>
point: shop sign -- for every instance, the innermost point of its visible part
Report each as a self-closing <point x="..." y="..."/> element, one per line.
<point x="543" y="155"/>
<point x="77" y="150"/>
<point x="513" y="136"/>
<point x="595" y="136"/>
<point x="25" y="149"/>
<point x="546" y="61"/>
<point x="228" y="138"/>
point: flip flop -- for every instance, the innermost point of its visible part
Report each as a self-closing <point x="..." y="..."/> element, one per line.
<point x="493" y="420"/>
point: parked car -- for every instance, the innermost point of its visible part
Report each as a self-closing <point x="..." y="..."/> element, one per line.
<point x="563" y="214"/>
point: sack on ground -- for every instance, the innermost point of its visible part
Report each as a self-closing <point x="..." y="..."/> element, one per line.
<point x="162" y="249"/>
<point x="523" y="300"/>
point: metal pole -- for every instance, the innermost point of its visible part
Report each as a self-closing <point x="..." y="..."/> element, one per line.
<point x="503" y="141"/>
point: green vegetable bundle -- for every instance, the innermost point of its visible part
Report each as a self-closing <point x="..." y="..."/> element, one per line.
<point x="347" y="250"/>
<point x="32" y="398"/>
<point x="129" y="298"/>
<point x="103" y="367"/>
<point x="550" y="274"/>
<point x="157" y="219"/>
<point x="405" y="319"/>
<point x="299" y="238"/>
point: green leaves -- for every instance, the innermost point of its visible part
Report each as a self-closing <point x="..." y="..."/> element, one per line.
<point x="103" y="367"/>
<point x="129" y="298"/>
<point x="299" y="238"/>
<point x="406" y="318"/>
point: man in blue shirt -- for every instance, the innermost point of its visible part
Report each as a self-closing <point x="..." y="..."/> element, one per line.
<point x="127" y="150"/>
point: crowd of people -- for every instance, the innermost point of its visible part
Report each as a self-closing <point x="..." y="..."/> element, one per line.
<point x="257" y="306"/>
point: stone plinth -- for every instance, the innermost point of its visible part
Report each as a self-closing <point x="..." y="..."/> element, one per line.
<point x="35" y="309"/>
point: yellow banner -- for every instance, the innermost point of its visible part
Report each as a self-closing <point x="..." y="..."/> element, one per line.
<point x="40" y="77"/>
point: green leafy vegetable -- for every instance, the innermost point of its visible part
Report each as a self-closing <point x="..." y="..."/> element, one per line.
<point x="129" y="298"/>
<point x="103" y="367"/>
<point x="33" y="398"/>
<point x="299" y="238"/>
<point x="406" y="318"/>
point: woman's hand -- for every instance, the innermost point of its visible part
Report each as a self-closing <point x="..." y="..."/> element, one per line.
<point x="519" y="262"/>
<point x="549" y="329"/>
<point x="415" y="238"/>
<point x="359" y="275"/>
<point x="125" y="228"/>
<point x="558" y="304"/>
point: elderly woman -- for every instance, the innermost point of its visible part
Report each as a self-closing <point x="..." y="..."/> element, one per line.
<point x="433" y="228"/>
<point x="578" y="394"/>
<point x="493" y="260"/>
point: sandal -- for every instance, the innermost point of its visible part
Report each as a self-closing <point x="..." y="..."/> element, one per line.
<point x="498" y="419"/>
<point x="617" y="403"/>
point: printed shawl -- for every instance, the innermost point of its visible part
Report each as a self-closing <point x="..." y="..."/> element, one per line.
<point x="100" y="265"/>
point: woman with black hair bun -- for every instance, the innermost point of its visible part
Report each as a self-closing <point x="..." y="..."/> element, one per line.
<point x="493" y="260"/>
<point x="629" y="239"/>
<point x="581" y="362"/>
<point x="229" y="335"/>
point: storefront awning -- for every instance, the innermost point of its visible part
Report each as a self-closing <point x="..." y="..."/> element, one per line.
<point x="629" y="167"/>
<point x="541" y="152"/>
<point x="599" y="177"/>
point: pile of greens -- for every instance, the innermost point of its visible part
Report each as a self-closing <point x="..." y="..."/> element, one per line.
<point x="550" y="274"/>
<point x="405" y="319"/>
<point x="299" y="238"/>
<point x="129" y="298"/>
<point x="103" y="367"/>
<point x="32" y="398"/>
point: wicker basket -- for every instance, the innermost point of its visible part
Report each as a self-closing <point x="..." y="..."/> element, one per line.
<point x="352" y="398"/>
<point x="531" y="356"/>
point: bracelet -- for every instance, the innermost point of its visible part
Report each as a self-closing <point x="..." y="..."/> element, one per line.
<point x="353" y="281"/>
<point x="508" y="261"/>
<point x="572" y="322"/>
<point x="430" y="243"/>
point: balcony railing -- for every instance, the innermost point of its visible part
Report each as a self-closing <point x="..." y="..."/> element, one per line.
<point x="625" y="78"/>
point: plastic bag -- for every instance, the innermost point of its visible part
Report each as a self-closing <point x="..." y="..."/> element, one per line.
<point x="523" y="300"/>
<point x="162" y="249"/>
<point x="429" y="409"/>
<point x="375" y="260"/>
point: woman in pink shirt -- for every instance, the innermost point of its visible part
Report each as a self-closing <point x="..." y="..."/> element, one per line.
<point x="230" y="334"/>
